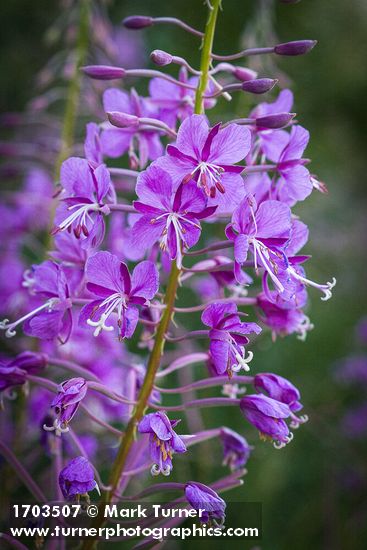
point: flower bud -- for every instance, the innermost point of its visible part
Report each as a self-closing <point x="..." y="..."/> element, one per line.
<point x="244" y="74"/>
<point x="259" y="85"/>
<point x="298" y="47"/>
<point x="104" y="72"/>
<point x="122" y="120"/>
<point x="161" y="58"/>
<point x="278" y="120"/>
<point x="137" y="22"/>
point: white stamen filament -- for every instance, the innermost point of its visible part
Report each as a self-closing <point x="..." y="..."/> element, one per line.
<point x="325" y="288"/>
<point x="82" y="212"/>
<point x="115" y="301"/>
<point x="9" y="328"/>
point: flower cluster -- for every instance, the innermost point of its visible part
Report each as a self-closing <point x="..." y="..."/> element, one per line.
<point x="185" y="203"/>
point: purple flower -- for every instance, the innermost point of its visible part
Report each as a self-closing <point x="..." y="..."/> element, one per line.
<point x="175" y="101"/>
<point x="236" y="450"/>
<point x="205" y="499"/>
<point x="14" y="372"/>
<point x="66" y="403"/>
<point x="208" y="157"/>
<point x="264" y="230"/>
<point x="53" y="318"/>
<point x="170" y="217"/>
<point x="163" y="441"/>
<point x="295" y="182"/>
<point x="77" y="478"/>
<point x="283" y="320"/>
<point x="82" y="209"/>
<point x="278" y="388"/>
<point x="228" y="337"/>
<point x="267" y="415"/>
<point x="110" y="280"/>
<point x="117" y="141"/>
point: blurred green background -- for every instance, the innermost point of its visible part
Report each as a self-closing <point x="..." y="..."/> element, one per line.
<point x="307" y="500"/>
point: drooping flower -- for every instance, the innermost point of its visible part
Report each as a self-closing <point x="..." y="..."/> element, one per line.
<point x="14" y="372"/>
<point x="236" y="450"/>
<point x="163" y="441"/>
<point x="66" y="403"/>
<point x="282" y="390"/>
<point x="110" y="280"/>
<point x="87" y="191"/>
<point x="208" y="157"/>
<point x="141" y="145"/>
<point x="53" y="318"/>
<point x="170" y="216"/>
<point x="228" y="337"/>
<point x="77" y="479"/>
<point x="267" y="415"/>
<point x="203" y="498"/>
<point x="283" y="320"/>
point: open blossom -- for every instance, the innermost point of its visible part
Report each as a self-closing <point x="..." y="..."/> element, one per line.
<point x="236" y="450"/>
<point x="87" y="189"/>
<point x="208" y="157"/>
<point x="294" y="183"/>
<point x="53" y="318"/>
<point x="163" y="441"/>
<point x="264" y="230"/>
<point x="109" y="279"/>
<point x="208" y="501"/>
<point x="77" y="479"/>
<point x="228" y="337"/>
<point x="66" y="403"/>
<point x="174" y="101"/>
<point x="141" y="145"/>
<point x="170" y="217"/>
<point x="268" y="416"/>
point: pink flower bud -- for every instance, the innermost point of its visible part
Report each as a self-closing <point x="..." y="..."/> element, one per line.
<point x="298" y="47"/>
<point x="104" y="72"/>
<point x="278" y="120"/>
<point x="161" y="58"/>
<point x="122" y="120"/>
<point x="138" y="22"/>
<point x="259" y="85"/>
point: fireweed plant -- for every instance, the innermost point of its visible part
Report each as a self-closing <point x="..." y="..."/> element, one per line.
<point x="124" y="243"/>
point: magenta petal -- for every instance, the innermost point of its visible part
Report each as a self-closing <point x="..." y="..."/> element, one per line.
<point x="192" y="135"/>
<point x="117" y="100"/>
<point x="230" y="145"/>
<point x="103" y="269"/>
<point x="273" y="220"/>
<point x="76" y="177"/>
<point x="213" y="314"/>
<point x="154" y="187"/>
<point x="219" y="352"/>
<point x="145" y="280"/>
<point x="241" y="248"/>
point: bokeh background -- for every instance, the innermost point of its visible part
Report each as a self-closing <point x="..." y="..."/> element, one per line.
<point x="314" y="491"/>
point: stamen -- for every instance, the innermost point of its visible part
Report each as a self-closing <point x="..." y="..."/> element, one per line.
<point x="9" y="328"/>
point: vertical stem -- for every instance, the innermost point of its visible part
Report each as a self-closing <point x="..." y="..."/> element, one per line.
<point x="206" y="56"/>
<point x="169" y="301"/>
<point x="72" y="101"/>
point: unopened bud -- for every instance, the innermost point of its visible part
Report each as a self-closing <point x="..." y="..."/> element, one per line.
<point x="244" y="74"/>
<point x="104" y="72"/>
<point x="278" y="120"/>
<point x="259" y="85"/>
<point x="137" y="22"/>
<point x="298" y="47"/>
<point x="122" y="120"/>
<point x="161" y="58"/>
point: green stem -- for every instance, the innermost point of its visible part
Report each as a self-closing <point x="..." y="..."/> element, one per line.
<point x="72" y="101"/>
<point x="169" y="301"/>
<point x="206" y="56"/>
